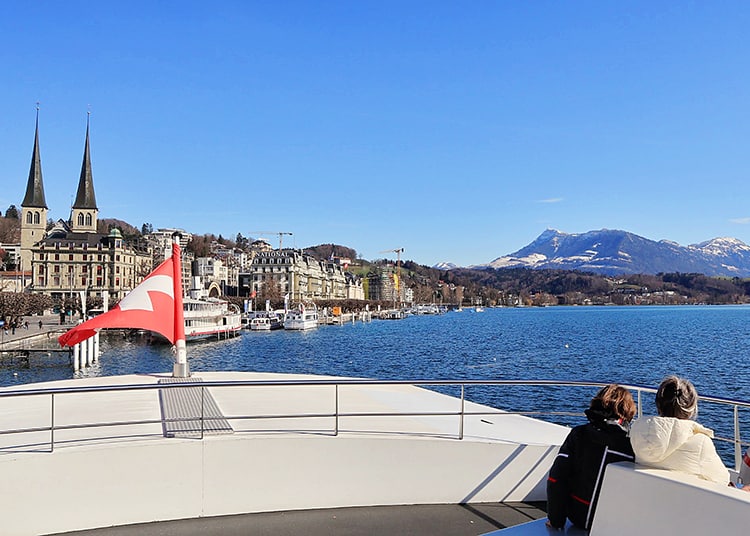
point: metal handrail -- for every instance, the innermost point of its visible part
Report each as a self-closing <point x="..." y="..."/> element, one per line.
<point x="461" y="413"/>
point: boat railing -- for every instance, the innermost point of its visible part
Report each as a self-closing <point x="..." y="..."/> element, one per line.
<point x="460" y="413"/>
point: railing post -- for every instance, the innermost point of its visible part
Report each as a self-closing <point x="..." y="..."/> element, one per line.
<point x="336" y="425"/>
<point x="737" y="440"/>
<point x="640" y="407"/>
<point x="461" y="421"/>
<point x="52" y="424"/>
<point x="203" y="390"/>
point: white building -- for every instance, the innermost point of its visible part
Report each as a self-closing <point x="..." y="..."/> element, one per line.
<point x="301" y="276"/>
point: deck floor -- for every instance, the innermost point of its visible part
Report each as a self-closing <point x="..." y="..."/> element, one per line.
<point x="433" y="520"/>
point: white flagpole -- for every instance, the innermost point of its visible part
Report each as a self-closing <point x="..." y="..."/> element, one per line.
<point x="181" y="368"/>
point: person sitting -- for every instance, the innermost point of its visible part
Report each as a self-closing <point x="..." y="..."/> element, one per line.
<point x="673" y="440"/>
<point x="577" y="472"/>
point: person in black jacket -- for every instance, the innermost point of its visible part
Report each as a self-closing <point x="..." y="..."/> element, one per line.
<point x="577" y="472"/>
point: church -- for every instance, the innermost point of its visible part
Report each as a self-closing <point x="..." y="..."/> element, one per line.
<point x="71" y="257"/>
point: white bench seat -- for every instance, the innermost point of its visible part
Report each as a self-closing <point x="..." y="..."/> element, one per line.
<point x="638" y="500"/>
<point x="536" y="528"/>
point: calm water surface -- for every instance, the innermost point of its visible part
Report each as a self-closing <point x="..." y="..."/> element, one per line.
<point x="637" y="345"/>
<point x="628" y="344"/>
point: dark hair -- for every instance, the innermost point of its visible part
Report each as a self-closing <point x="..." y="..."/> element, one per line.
<point x="616" y="400"/>
<point x="677" y="398"/>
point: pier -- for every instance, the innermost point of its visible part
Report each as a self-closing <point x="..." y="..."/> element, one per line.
<point x="39" y="340"/>
<point x="345" y="318"/>
<point x="34" y="338"/>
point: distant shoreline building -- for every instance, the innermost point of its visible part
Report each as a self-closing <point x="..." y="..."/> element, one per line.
<point x="72" y="257"/>
<point x="303" y="277"/>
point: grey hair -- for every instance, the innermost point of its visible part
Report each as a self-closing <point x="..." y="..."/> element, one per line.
<point x="677" y="398"/>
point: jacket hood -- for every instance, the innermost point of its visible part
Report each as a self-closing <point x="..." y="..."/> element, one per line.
<point x="656" y="438"/>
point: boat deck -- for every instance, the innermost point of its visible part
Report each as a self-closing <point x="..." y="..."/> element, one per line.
<point x="433" y="520"/>
<point x="318" y="458"/>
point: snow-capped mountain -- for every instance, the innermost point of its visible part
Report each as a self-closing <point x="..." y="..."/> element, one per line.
<point x="445" y="266"/>
<point x="615" y="252"/>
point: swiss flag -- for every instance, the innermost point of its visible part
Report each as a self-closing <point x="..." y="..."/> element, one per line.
<point x="150" y="305"/>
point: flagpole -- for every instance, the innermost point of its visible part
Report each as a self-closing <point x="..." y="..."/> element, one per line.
<point x="181" y="368"/>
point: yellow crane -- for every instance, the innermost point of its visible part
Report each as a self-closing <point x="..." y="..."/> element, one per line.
<point x="397" y="279"/>
<point x="280" y="233"/>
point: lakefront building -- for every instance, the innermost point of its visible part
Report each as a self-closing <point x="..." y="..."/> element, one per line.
<point x="71" y="257"/>
<point x="302" y="277"/>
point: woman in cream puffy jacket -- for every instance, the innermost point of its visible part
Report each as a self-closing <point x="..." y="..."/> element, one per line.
<point x="673" y="440"/>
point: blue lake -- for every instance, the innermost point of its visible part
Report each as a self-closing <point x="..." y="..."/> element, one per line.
<point x="635" y="345"/>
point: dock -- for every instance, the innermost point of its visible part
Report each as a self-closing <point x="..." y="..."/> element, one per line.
<point x="345" y="318"/>
<point x="34" y="339"/>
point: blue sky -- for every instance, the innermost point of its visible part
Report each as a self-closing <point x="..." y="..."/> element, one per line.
<point x="459" y="131"/>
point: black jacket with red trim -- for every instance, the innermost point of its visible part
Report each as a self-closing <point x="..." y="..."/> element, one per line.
<point x="576" y="474"/>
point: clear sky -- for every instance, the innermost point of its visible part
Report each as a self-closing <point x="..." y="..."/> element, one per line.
<point x="459" y="131"/>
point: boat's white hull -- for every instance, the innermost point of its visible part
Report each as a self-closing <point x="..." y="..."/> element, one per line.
<point x="214" y="333"/>
<point x="265" y="324"/>
<point x="301" y="320"/>
<point x="300" y="324"/>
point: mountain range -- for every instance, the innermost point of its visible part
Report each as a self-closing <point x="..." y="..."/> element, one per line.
<point x="613" y="252"/>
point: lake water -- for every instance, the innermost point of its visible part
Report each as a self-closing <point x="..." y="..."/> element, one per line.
<point x="635" y="345"/>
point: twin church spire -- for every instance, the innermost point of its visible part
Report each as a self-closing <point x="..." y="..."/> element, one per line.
<point x="84" y="212"/>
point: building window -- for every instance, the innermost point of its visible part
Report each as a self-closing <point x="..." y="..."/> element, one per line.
<point x="83" y="281"/>
<point x="85" y="257"/>
<point x="57" y="268"/>
<point x="56" y="281"/>
<point x="88" y="220"/>
<point x="117" y="281"/>
<point x="84" y="269"/>
<point x="57" y="256"/>
<point x="70" y="257"/>
<point x="41" y="256"/>
<point x="80" y="219"/>
<point x="41" y="281"/>
<point x="98" y="281"/>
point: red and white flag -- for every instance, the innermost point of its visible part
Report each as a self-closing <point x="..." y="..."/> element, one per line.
<point x="151" y="305"/>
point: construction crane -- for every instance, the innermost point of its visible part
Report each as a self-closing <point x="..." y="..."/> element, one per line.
<point x="398" y="252"/>
<point x="280" y="233"/>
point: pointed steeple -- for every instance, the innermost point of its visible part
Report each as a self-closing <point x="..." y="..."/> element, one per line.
<point x="35" y="186"/>
<point x="34" y="206"/>
<point x="85" y="198"/>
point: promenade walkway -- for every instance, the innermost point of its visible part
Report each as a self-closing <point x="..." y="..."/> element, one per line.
<point x="20" y="337"/>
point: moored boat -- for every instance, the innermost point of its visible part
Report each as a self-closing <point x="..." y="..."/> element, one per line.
<point x="210" y="317"/>
<point x="302" y="318"/>
<point x="266" y="322"/>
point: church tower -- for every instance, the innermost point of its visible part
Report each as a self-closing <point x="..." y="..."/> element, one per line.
<point x="34" y="206"/>
<point x="84" y="215"/>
